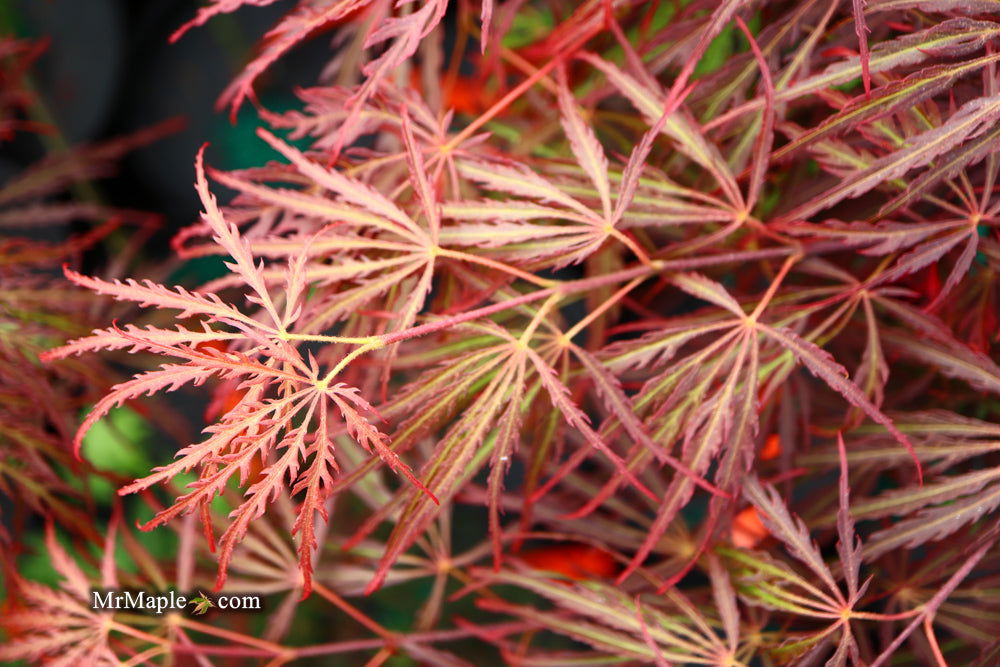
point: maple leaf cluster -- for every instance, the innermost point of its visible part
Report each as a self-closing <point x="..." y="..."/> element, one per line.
<point x="721" y="334"/>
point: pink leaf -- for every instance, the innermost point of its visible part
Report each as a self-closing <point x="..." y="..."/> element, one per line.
<point x="823" y="366"/>
<point x="861" y="30"/>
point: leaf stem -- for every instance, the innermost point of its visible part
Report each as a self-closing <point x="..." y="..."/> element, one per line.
<point x="352" y="611"/>
<point x="144" y="657"/>
<point x="351" y="356"/>
<point x="872" y="616"/>
<point x="499" y="266"/>
<point x="600" y="310"/>
<point x="631" y="245"/>
<point x="231" y="635"/>
<point x="518" y="90"/>
<point x="773" y="287"/>
<point x="138" y="634"/>
<point x="319" y="338"/>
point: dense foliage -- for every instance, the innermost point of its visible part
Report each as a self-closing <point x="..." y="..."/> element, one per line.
<point x="696" y="300"/>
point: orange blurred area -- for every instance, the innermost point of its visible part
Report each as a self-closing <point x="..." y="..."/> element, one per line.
<point x="464" y="94"/>
<point x="771" y="449"/>
<point x="257" y="466"/>
<point x="207" y="345"/>
<point x="573" y="560"/>
<point x="748" y="529"/>
<point x="225" y="397"/>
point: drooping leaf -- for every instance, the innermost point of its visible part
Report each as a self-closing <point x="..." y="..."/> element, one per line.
<point x="967" y="123"/>
<point x="932" y="524"/>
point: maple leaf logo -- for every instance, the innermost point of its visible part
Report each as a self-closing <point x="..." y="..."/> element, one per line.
<point x="201" y="604"/>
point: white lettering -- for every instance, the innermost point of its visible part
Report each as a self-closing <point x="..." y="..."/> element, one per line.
<point x="98" y="603"/>
<point x="161" y="602"/>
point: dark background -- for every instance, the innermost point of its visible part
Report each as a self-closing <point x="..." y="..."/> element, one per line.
<point x="109" y="70"/>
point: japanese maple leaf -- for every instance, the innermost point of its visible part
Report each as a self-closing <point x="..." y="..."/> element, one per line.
<point x="58" y="626"/>
<point x="288" y="417"/>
